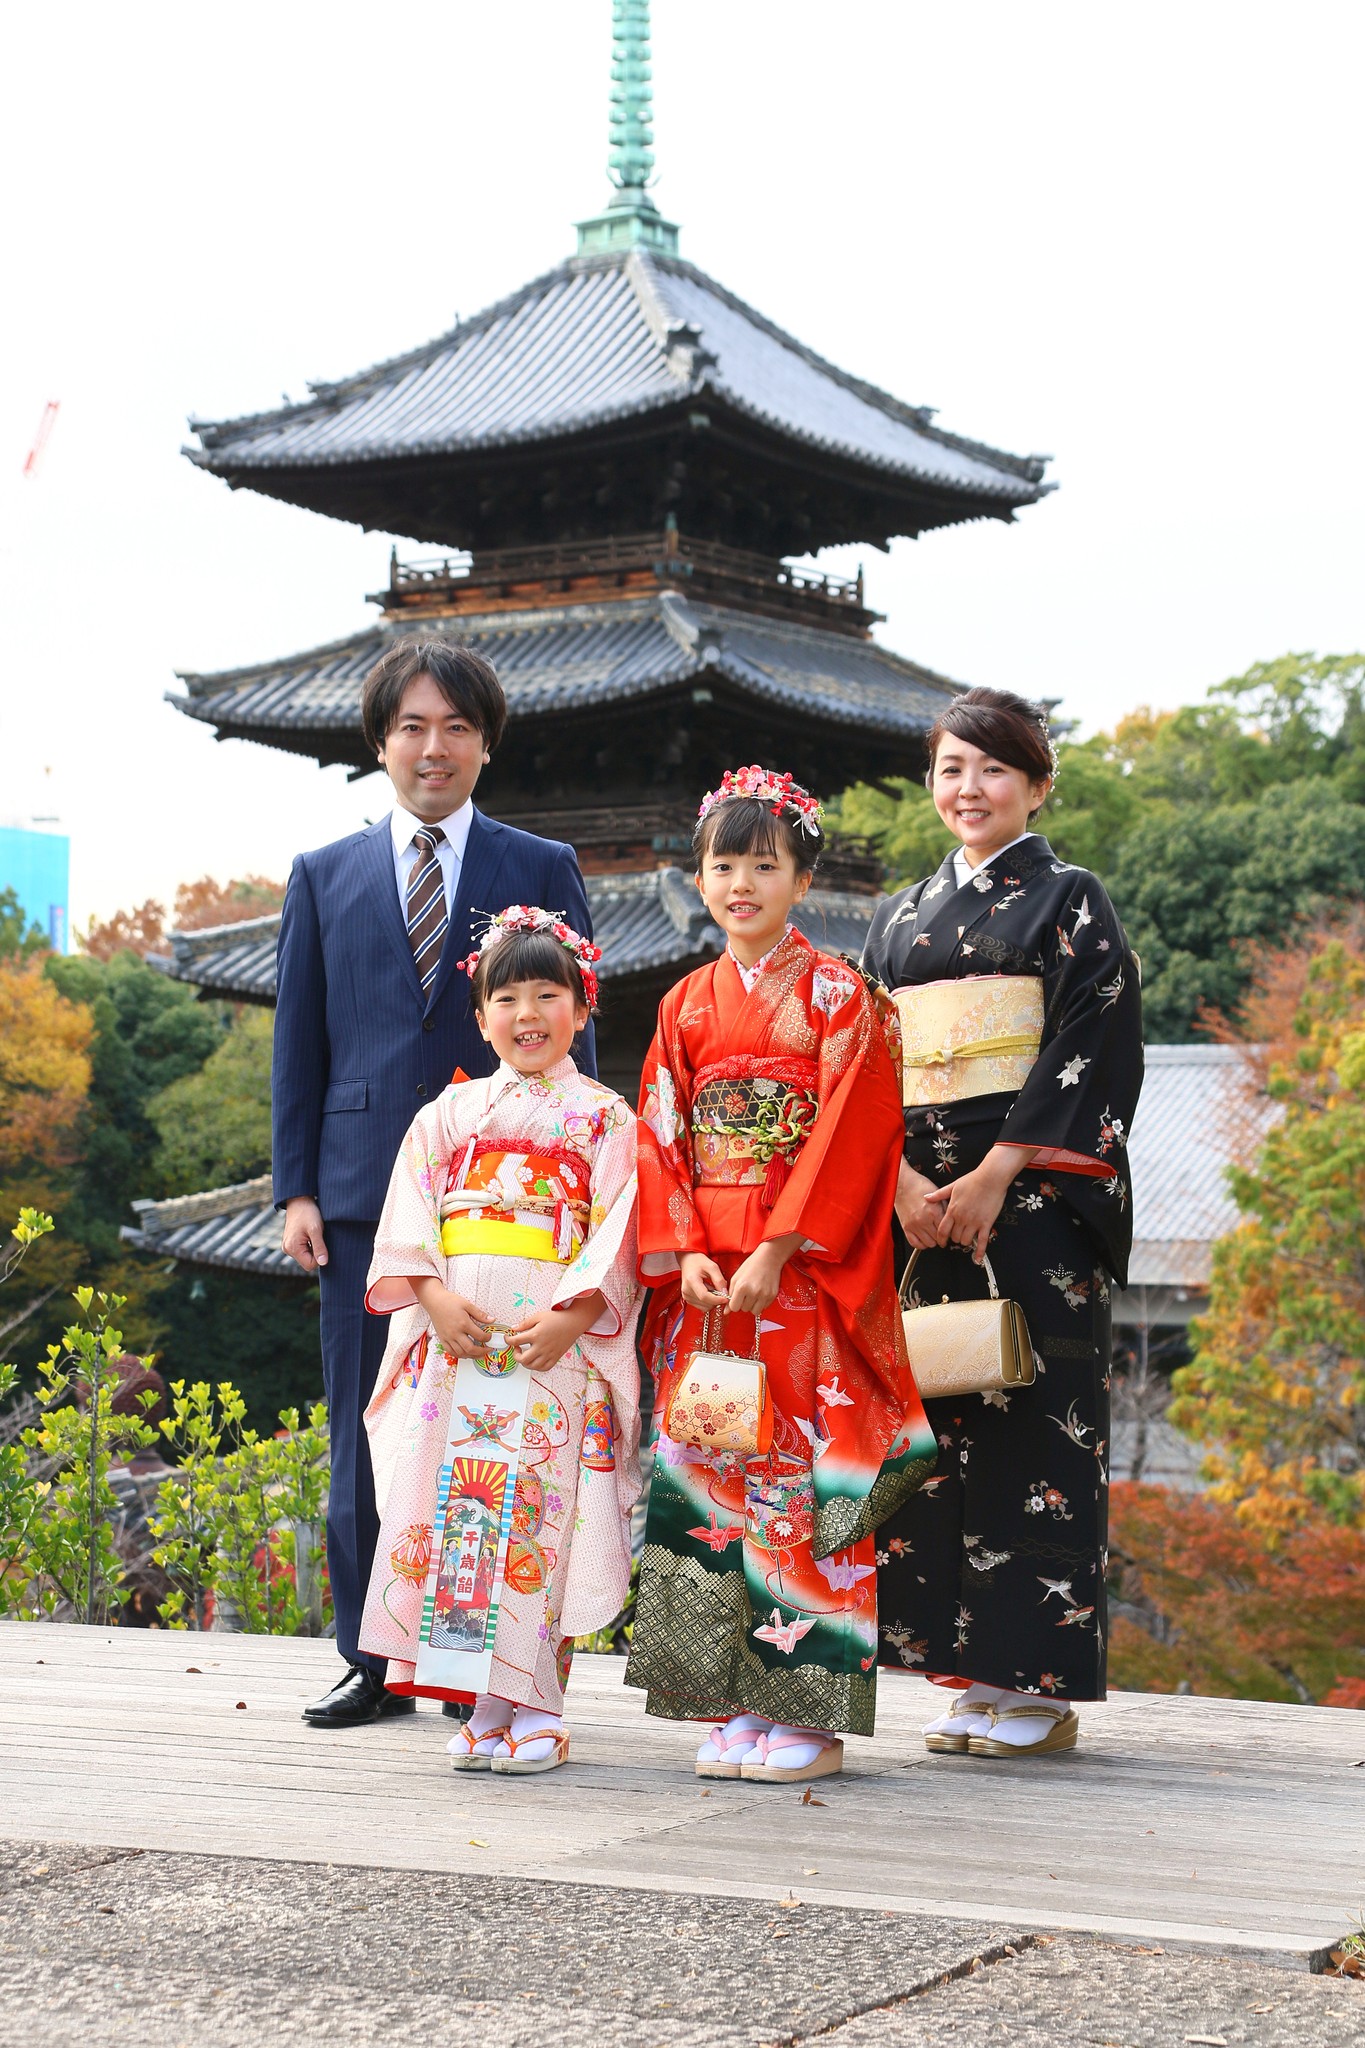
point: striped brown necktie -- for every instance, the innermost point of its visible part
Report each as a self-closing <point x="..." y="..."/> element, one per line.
<point x="427" y="906"/>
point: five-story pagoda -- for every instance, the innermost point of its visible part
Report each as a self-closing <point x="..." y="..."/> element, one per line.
<point x="615" y="465"/>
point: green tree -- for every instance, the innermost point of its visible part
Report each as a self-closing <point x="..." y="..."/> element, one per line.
<point x="213" y="1126"/>
<point x="20" y="938"/>
<point x="258" y="1330"/>
<point x="1199" y="887"/>
<point x="149" y="1032"/>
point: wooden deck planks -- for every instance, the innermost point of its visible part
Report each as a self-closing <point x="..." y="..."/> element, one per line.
<point x="1217" y="1821"/>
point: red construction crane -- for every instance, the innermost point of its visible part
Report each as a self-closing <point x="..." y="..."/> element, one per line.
<point x="45" y="426"/>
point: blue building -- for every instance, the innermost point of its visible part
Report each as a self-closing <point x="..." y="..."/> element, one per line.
<point x="36" y="866"/>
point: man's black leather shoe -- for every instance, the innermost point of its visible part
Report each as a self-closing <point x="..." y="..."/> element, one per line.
<point x="358" y="1697"/>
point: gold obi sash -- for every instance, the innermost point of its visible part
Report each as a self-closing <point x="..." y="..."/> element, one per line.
<point x="975" y="1037"/>
<point x="516" y="1205"/>
<point x="750" y="1118"/>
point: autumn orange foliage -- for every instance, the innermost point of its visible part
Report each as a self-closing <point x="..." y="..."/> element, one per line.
<point x="1200" y="1596"/>
<point x="198" y="906"/>
<point x="1276" y="1387"/>
<point x="44" y="1074"/>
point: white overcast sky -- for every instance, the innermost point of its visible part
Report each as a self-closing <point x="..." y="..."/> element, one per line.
<point x="1127" y="236"/>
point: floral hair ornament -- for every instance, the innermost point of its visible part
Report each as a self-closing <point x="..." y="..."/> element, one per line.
<point x="781" y="793"/>
<point x="528" y="917"/>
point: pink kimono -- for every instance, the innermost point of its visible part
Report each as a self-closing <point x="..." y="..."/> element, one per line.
<point x="505" y="1495"/>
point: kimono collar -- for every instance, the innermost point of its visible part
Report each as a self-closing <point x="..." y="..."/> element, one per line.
<point x="963" y="869"/>
<point x="749" y="975"/>
<point x="1032" y="848"/>
<point x="563" y="1071"/>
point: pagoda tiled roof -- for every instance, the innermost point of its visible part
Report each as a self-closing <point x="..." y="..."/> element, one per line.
<point x="586" y="656"/>
<point x="601" y="340"/>
<point x="643" y="922"/>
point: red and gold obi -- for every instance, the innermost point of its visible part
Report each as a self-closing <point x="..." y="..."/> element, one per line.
<point x="528" y="1205"/>
<point x="750" y="1118"/>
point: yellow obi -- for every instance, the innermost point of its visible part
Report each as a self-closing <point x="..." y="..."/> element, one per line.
<point x="516" y="1204"/>
<point x="975" y="1037"/>
<point x="468" y="1236"/>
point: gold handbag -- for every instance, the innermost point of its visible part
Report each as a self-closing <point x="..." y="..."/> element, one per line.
<point x="965" y="1347"/>
<point x="720" y="1401"/>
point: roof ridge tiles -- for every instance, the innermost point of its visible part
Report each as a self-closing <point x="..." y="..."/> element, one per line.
<point x="215" y="679"/>
<point x="451" y="394"/>
<point x="322" y="395"/>
<point x="921" y="417"/>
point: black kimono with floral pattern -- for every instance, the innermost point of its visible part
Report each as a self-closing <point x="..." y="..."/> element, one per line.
<point x="995" y="1570"/>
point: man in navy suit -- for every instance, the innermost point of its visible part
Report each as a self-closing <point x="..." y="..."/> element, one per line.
<point x="372" y="1018"/>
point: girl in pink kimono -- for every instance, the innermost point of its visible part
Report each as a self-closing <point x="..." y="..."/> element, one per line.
<point x="504" y="1426"/>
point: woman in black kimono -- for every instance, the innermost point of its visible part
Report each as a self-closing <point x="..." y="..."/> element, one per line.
<point x="1021" y="1018"/>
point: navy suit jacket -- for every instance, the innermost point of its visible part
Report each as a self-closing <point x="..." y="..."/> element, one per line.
<point x="358" y="1051"/>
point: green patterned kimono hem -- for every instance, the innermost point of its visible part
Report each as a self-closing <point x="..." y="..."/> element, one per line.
<point x="842" y="1522"/>
<point x="691" y="1652"/>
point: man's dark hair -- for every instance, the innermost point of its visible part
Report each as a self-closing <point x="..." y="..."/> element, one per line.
<point x="465" y="679"/>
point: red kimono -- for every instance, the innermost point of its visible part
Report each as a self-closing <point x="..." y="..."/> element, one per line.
<point x="766" y="1114"/>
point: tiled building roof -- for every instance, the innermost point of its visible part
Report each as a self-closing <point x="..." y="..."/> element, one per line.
<point x="643" y="922"/>
<point x="1196" y="1117"/>
<point x="603" y="340"/>
<point x="236" y="1226"/>
<point x="588" y="657"/>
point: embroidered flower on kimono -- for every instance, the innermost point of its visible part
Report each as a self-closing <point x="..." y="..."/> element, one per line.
<point x="831" y="989"/>
<point x="428" y="1411"/>
<point x="1070" y="1076"/>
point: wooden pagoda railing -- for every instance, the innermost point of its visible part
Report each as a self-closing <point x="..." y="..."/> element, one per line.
<point x="623" y="565"/>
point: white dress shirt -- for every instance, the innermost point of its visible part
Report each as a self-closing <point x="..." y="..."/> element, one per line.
<point x="403" y="829"/>
<point x="963" y="869"/>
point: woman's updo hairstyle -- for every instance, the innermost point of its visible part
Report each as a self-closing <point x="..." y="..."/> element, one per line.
<point x="1007" y="727"/>
<point x="525" y="956"/>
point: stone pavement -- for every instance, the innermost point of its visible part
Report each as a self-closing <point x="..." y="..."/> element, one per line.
<point x="186" y="1862"/>
<point x="122" y="1948"/>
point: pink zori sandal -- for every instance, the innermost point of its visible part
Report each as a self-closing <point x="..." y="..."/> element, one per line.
<point x="830" y="1759"/>
<point x="511" y="1767"/>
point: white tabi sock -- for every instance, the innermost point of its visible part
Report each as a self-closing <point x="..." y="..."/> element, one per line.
<point x="528" y="1721"/>
<point x="961" y="1722"/>
<point x="1023" y="1729"/>
<point x="752" y="1725"/>
<point x="486" y="1723"/>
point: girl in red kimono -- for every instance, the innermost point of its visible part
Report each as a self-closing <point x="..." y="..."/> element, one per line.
<point x="769" y="1141"/>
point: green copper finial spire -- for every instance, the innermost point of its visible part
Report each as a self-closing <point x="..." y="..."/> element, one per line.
<point x="631" y="219"/>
